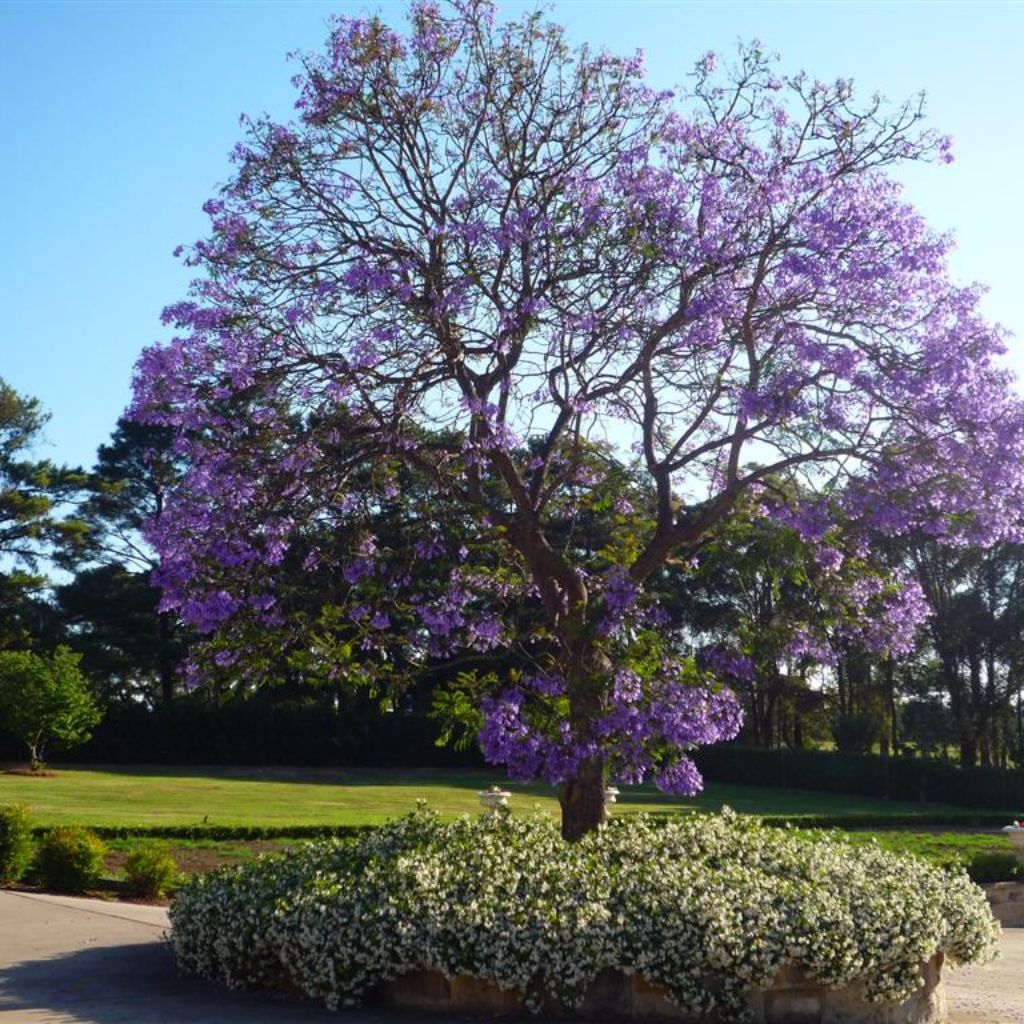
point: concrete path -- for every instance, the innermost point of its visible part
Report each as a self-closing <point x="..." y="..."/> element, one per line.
<point x="65" y="960"/>
<point x="75" y="961"/>
<point x="993" y="994"/>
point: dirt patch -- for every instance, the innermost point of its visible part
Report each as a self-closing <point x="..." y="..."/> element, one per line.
<point x="191" y="860"/>
<point x="198" y="860"/>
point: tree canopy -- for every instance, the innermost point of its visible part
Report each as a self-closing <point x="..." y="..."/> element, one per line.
<point x="482" y="256"/>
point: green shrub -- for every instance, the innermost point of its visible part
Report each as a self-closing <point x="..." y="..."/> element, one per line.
<point x="985" y="858"/>
<point x="149" y="872"/>
<point x="993" y="866"/>
<point x="707" y="907"/>
<point x="15" y="842"/>
<point x="69" y="859"/>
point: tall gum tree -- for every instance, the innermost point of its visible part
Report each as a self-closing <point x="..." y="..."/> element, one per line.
<point x="479" y="255"/>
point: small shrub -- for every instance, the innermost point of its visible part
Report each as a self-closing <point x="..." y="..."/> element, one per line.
<point x="69" y="859"/>
<point x="15" y="842"/>
<point x="988" y="866"/>
<point x="149" y="872"/>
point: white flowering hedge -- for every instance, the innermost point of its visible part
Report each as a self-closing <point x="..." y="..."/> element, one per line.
<point x="713" y="899"/>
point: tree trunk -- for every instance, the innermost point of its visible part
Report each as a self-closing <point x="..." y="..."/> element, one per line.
<point x="841" y="688"/>
<point x="887" y="738"/>
<point x="588" y="672"/>
<point x="758" y="717"/>
<point x="1019" y="754"/>
<point x="968" y="746"/>
<point x="894" y="718"/>
<point x="582" y="801"/>
<point x="166" y="658"/>
<point x="979" y="730"/>
<point x="35" y="752"/>
<point x="770" y="719"/>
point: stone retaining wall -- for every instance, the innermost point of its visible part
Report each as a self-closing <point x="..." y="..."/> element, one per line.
<point x="1007" y="902"/>
<point x="793" y="998"/>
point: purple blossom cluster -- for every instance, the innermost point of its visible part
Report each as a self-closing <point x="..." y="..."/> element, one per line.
<point x="643" y="728"/>
<point x="727" y="664"/>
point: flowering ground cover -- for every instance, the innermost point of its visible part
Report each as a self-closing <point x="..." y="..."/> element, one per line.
<point x="712" y="897"/>
<point x="282" y="797"/>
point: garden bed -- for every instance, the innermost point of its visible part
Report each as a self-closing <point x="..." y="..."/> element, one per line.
<point x="706" y="915"/>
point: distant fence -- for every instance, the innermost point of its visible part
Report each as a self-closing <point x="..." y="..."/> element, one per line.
<point x="887" y="778"/>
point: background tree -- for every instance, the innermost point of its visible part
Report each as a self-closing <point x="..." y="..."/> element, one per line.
<point x="478" y="249"/>
<point x="33" y="521"/>
<point x="927" y="725"/>
<point x="111" y="604"/>
<point x="45" y="701"/>
<point x="974" y="597"/>
<point x="776" y="608"/>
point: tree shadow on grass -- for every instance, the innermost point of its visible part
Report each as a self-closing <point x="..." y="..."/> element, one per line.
<point x="139" y="984"/>
<point x="337" y="775"/>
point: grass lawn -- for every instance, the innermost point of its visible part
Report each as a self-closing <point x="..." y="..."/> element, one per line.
<point x="165" y="796"/>
<point x="986" y="857"/>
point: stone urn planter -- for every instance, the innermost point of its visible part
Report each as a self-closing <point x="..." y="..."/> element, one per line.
<point x="792" y="998"/>
<point x="494" y="798"/>
<point x="1015" y="833"/>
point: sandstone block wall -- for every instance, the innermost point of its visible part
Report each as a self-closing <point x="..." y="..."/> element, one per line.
<point x="1007" y="902"/>
<point x="793" y="998"/>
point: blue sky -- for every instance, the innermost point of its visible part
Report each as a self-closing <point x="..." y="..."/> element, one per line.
<point x="117" y="119"/>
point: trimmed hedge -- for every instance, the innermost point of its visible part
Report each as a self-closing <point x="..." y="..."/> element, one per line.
<point x="194" y="731"/>
<point x="892" y="778"/>
<point x="222" y="833"/>
<point x="248" y="833"/>
<point x="924" y="819"/>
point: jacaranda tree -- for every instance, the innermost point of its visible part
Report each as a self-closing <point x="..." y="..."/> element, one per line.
<point x="481" y="256"/>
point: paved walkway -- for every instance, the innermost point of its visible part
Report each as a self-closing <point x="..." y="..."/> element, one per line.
<point x="993" y="994"/>
<point x="75" y="961"/>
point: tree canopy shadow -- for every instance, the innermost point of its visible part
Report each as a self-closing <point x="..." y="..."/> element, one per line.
<point x="138" y="983"/>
